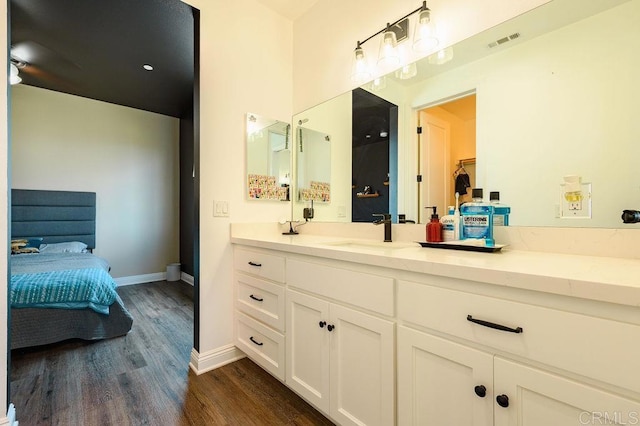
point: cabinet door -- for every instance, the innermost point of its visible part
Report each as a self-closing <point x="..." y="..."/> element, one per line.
<point x="362" y="368"/>
<point x="307" y="345"/>
<point x="537" y="397"/>
<point x="441" y="383"/>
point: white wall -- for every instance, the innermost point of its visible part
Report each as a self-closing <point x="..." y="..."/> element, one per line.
<point x="128" y="157"/>
<point x="248" y="71"/>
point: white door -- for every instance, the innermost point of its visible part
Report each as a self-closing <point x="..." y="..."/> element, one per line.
<point x="442" y="383"/>
<point x="362" y="368"/>
<point x="537" y="397"/>
<point x="434" y="165"/>
<point x="307" y="343"/>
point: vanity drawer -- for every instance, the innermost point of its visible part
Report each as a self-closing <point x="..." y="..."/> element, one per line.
<point x="260" y="264"/>
<point x="261" y="299"/>
<point x="262" y="344"/>
<point x="599" y="348"/>
<point x="367" y="291"/>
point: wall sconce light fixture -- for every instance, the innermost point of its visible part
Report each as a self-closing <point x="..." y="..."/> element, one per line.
<point x="424" y="40"/>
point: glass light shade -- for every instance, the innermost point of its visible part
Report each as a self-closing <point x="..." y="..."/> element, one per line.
<point x="424" y="36"/>
<point x="388" y="55"/>
<point x="441" y="56"/>
<point x="360" y="72"/>
<point x="14" y="78"/>
<point x="407" y="71"/>
<point x="378" y="84"/>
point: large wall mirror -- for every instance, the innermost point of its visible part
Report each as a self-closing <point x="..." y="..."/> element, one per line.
<point x="516" y="108"/>
<point x="268" y="158"/>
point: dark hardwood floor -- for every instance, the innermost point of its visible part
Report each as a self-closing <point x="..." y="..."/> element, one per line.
<point x="143" y="378"/>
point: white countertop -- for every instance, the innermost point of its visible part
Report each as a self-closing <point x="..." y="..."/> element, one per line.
<point x="605" y="279"/>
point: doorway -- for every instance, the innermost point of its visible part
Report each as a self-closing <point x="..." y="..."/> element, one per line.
<point x="189" y="170"/>
<point x="447" y="154"/>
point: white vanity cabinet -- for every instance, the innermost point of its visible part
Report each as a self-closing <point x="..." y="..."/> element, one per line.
<point x="441" y="382"/>
<point x="462" y="372"/>
<point x="339" y="358"/>
<point x="260" y="310"/>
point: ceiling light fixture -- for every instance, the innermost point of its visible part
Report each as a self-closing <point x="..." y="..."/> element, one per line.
<point x="147" y="67"/>
<point x="392" y="35"/>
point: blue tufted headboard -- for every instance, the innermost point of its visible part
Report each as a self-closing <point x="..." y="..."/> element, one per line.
<point x="57" y="216"/>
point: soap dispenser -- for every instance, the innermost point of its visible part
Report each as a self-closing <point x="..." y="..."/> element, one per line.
<point x="434" y="228"/>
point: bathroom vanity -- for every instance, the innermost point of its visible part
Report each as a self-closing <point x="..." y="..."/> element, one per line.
<point x="392" y="333"/>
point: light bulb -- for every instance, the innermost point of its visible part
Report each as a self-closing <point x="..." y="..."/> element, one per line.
<point x="424" y="37"/>
<point x="408" y="71"/>
<point x="441" y="56"/>
<point x="388" y="54"/>
<point x="360" y="71"/>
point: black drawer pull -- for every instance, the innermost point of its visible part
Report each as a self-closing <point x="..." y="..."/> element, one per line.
<point x="493" y="325"/>
<point x="322" y="324"/>
<point x="255" y="342"/>
<point x="255" y="298"/>
<point x="330" y="327"/>
<point x="255" y="264"/>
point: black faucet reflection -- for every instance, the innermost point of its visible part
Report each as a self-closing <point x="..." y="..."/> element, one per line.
<point x="386" y="220"/>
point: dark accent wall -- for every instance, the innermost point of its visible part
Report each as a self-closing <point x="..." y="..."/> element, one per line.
<point x="186" y="193"/>
<point x="374" y="148"/>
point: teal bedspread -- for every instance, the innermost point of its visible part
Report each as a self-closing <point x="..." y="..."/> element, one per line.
<point x="89" y="286"/>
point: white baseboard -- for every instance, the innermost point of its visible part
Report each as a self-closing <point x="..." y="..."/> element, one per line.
<point x="186" y="278"/>
<point x="149" y="278"/>
<point x="139" y="279"/>
<point x="201" y="363"/>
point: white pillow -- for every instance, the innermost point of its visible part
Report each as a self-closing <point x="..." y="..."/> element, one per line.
<point x="70" y="247"/>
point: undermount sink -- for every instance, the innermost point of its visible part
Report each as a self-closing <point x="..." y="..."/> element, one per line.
<point x="381" y="245"/>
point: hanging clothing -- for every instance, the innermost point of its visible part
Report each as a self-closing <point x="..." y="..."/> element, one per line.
<point x="462" y="183"/>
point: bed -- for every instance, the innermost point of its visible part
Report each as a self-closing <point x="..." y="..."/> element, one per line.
<point x="59" y="289"/>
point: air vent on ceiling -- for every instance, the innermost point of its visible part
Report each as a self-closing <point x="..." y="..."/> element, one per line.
<point x="504" y="40"/>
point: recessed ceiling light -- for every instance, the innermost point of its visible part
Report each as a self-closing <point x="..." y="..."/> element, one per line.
<point x="147" y="67"/>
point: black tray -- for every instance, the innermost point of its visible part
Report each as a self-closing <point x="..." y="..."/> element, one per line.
<point x="461" y="246"/>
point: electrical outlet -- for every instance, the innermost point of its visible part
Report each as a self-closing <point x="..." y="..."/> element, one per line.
<point x="575" y="205"/>
<point x="580" y="209"/>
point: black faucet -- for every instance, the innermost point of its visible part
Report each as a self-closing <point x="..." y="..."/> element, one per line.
<point x="386" y="219"/>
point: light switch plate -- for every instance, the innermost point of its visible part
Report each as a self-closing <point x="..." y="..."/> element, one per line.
<point x="220" y="208"/>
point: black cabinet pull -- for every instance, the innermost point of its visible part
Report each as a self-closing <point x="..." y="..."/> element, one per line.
<point x="255" y="298"/>
<point x="322" y="324"/>
<point x="494" y="325"/>
<point x="481" y="391"/>
<point x="255" y="264"/>
<point x="255" y="342"/>
<point x="502" y="400"/>
<point x="330" y="327"/>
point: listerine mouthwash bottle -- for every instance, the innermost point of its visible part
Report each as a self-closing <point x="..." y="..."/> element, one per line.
<point x="500" y="211"/>
<point x="476" y="219"/>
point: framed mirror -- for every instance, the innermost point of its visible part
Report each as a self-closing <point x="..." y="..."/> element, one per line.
<point x="268" y="158"/>
<point x="553" y="93"/>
